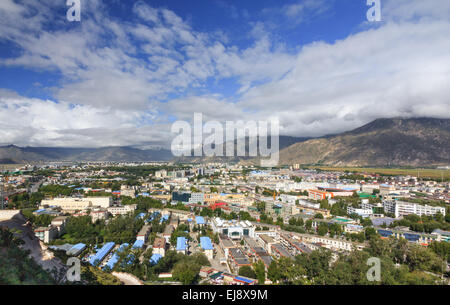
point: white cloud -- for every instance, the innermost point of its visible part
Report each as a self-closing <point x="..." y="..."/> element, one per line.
<point x="119" y="75"/>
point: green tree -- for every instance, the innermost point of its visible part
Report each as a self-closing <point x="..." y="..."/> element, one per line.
<point x="247" y="271"/>
<point x="260" y="272"/>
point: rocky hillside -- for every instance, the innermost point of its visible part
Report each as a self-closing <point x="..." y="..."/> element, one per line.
<point x="383" y="142"/>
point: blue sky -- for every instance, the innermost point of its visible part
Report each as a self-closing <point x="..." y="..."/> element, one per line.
<point x="130" y="68"/>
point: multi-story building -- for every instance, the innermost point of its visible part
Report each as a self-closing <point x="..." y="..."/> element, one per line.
<point x="197" y="198"/>
<point x="77" y="204"/>
<point x="46" y="234"/>
<point x="207" y="246"/>
<point x="143" y="233"/>
<point x="406" y="208"/>
<point x="159" y="246"/>
<point x="122" y="210"/>
<point x="360" y="211"/>
<point x="233" y="229"/>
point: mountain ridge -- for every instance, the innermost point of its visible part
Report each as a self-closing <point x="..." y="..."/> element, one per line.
<point x="382" y="142"/>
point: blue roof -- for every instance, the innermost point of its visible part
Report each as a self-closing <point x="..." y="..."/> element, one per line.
<point x="79" y="246"/>
<point x="200" y="220"/>
<point x="385" y="233"/>
<point x="138" y="244"/>
<point x="164" y="218"/>
<point x="115" y="258"/>
<point x="100" y="255"/>
<point x="206" y="244"/>
<point x="181" y="243"/>
<point x="411" y="237"/>
<point x="244" y="279"/>
<point x="379" y="221"/>
<point x="155" y="258"/>
<point x="140" y="215"/>
<point x="39" y="211"/>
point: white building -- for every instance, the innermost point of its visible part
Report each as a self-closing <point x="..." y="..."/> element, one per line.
<point x="406" y="208"/>
<point x="233" y="229"/>
<point x="46" y="234"/>
<point x="360" y="211"/>
<point x="196" y="198"/>
<point x="122" y="210"/>
<point x="74" y="204"/>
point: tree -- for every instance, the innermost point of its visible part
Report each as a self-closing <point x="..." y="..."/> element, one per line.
<point x="185" y="272"/>
<point x="260" y="271"/>
<point x="369" y="232"/>
<point x="322" y="229"/>
<point x="247" y="271"/>
<point x="273" y="272"/>
<point x="318" y="216"/>
<point x="324" y="204"/>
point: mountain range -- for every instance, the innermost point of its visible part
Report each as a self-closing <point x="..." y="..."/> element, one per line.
<point x="383" y="142"/>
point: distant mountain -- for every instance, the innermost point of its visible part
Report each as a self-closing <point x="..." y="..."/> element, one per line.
<point x="383" y="142"/>
<point x="284" y="141"/>
<point x="15" y="154"/>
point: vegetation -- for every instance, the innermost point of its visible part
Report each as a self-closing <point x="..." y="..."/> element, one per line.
<point x="16" y="267"/>
<point x="424" y="173"/>
<point x="415" y="265"/>
<point x="424" y="223"/>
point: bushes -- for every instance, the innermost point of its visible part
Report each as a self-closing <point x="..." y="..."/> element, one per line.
<point x="16" y="267"/>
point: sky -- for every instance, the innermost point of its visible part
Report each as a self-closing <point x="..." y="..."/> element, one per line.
<point x="128" y="69"/>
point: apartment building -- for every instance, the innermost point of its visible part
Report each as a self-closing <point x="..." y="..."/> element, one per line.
<point x="406" y="208"/>
<point x="46" y="234"/>
<point x="143" y="233"/>
<point x="330" y="243"/>
<point x="159" y="246"/>
<point x="122" y="210"/>
<point x="197" y="198"/>
<point x="77" y="204"/>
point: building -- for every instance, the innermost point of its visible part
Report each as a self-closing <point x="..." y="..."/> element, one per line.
<point x="161" y="174"/>
<point x="143" y="233"/>
<point x="197" y="198"/>
<point x="182" y="245"/>
<point x="168" y="230"/>
<point x="319" y="195"/>
<point x="233" y="229"/>
<point x="181" y="197"/>
<point x="207" y="247"/>
<point x="406" y="208"/>
<point x="77" y="204"/>
<point x="237" y="258"/>
<point x="96" y="214"/>
<point x="360" y="211"/>
<point x="266" y="242"/>
<point x="330" y="243"/>
<point x="278" y="251"/>
<point x="386" y="189"/>
<point x="199" y="220"/>
<point x="159" y="246"/>
<point x="46" y="234"/>
<point x="60" y="223"/>
<point x="122" y="210"/>
<point x="226" y="244"/>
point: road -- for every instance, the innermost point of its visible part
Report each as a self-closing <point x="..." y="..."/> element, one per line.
<point x="128" y="279"/>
